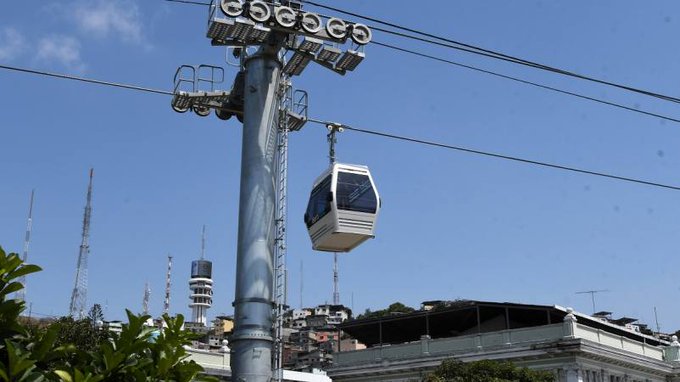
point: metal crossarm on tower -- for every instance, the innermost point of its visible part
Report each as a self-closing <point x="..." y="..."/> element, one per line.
<point x="79" y="296"/>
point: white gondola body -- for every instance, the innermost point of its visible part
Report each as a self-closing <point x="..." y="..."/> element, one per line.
<point x="343" y="208"/>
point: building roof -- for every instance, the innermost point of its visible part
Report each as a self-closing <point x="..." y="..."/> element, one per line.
<point x="465" y="317"/>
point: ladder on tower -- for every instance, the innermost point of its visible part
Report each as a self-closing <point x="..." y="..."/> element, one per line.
<point x="292" y="115"/>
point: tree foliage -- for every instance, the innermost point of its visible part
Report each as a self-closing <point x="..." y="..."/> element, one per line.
<point x="73" y="351"/>
<point x="395" y="308"/>
<point x="486" y="371"/>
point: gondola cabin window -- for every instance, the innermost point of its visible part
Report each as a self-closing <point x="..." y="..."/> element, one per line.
<point x="319" y="202"/>
<point x="355" y="193"/>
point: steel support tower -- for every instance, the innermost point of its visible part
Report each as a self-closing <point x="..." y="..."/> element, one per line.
<point x="79" y="296"/>
<point x="277" y="28"/>
<point x="21" y="294"/>
<point x="252" y="340"/>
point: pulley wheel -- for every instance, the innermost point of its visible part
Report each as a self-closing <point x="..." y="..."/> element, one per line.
<point x="285" y="17"/>
<point x="223" y="114"/>
<point x="311" y="23"/>
<point x="361" y="34"/>
<point x="259" y="11"/>
<point x="336" y="28"/>
<point x="231" y="8"/>
<point x="202" y="111"/>
<point x="180" y="109"/>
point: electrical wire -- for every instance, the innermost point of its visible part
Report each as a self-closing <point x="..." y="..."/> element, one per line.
<point x="516" y="79"/>
<point x="372" y="132"/>
<point x="498" y="156"/>
<point x="82" y="79"/>
<point x="485" y="52"/>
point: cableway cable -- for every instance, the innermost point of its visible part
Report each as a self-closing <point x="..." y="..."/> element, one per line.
<point x="370" y="132"/>
<point x="82" y="79"/>
<point x="546" y="87"/>
<point x="499" y="156"/>
<point x="485" y="52"/>
<point x="516" y="79"/>
<point x="188" y="2"/>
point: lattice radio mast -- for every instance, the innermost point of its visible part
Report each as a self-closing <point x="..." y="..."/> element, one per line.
<point x="166" y="304"/>
<point x="79" y="295"/>
<point x="147" y="297"/>
<point x="21" y="294"/>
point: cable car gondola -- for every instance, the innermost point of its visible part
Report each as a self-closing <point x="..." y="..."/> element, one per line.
<point x="343" y="208"/>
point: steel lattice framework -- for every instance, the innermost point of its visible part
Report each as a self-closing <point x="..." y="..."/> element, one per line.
<point x="79" y="296"/>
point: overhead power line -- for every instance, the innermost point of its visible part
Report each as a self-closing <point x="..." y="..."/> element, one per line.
<point x="372" y="132"/>
<point x="453" y="44"/>
<point x="516" y="79"/>
<point x="499" y="156"/>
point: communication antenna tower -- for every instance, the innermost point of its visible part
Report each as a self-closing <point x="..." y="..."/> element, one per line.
<point x="21" y="294"/>
<point x="203" y="243"/>
<point x="79" y="295"/>
<point x="201" y="286"/>
<point x="147" y="297"/>
<point x="166" y="304"/>
<point x="592" y="295"/>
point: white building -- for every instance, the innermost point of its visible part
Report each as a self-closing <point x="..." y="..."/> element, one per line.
<point x="576" y="347"/>
<point x="201" y="286"/>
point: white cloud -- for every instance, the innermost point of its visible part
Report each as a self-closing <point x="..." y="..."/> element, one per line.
<point x="12" y="44"/>
<point x="63" y="50"/>
<point x="110" y="19"/>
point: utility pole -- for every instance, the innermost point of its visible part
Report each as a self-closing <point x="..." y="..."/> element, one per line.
<point x="79" y="295"/>
<point x="592" y="295"/>
<point x="278" y="28"/>
<point x="21" y="294"/>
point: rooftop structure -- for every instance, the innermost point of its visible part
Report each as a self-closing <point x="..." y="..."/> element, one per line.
<point x="576" y="347"/>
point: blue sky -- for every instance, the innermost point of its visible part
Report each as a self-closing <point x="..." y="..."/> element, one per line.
<point x="453" y="225"/>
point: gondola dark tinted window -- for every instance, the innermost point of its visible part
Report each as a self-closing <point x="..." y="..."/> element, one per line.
<point x="355" y="193"/>
<point x="319" y="203"/>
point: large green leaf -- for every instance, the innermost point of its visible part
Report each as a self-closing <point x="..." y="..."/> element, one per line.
<point x="11" y="288"/>
<point x="27" y="269"/>
<point x="64" y="375"/>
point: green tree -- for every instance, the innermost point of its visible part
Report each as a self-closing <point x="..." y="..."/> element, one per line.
<point x="96" y="314"/>
<point x="395" y="308"/>
<point x="398" y="307"/>
<point x="59" y="353"/>
<point x="486" y="371"/>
